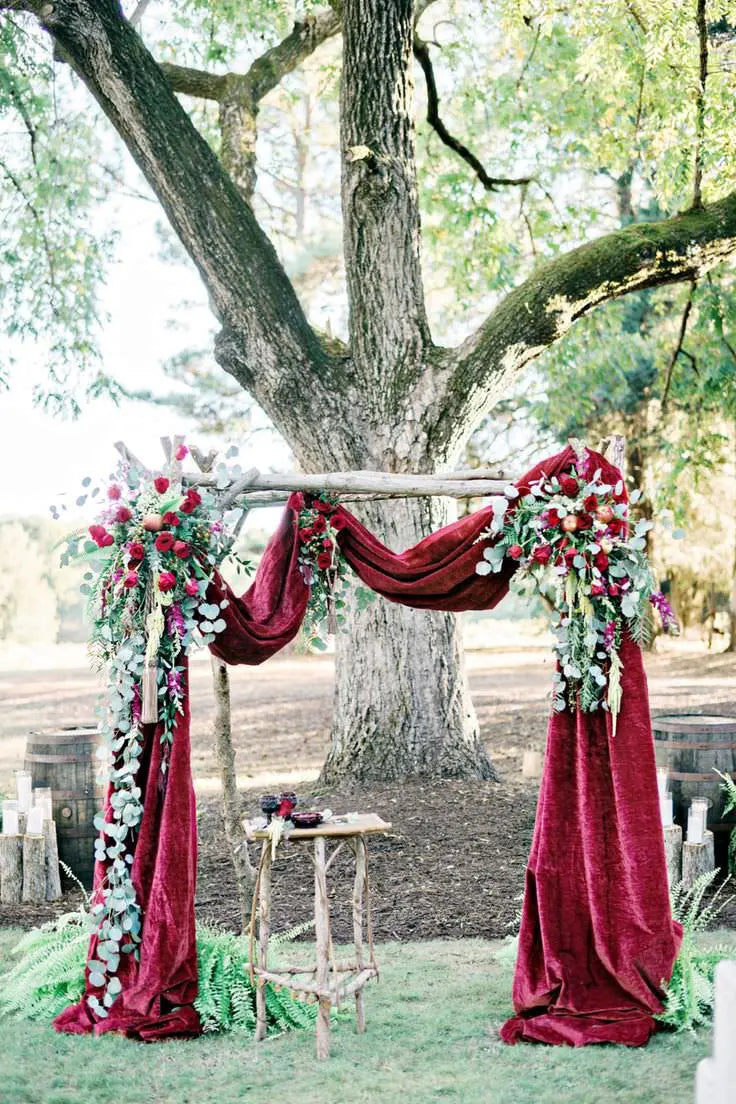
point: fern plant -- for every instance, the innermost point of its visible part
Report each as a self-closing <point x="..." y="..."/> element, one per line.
<point x="49" y="975"/>
<point x="689" y="993"/>
<point x="729" y="788"/>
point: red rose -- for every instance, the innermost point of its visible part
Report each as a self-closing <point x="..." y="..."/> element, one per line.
<point x="194" y="496"/>
<point x="542" y="554"/>
<point x="323" y="507"/>
<point x="585" y="521"/>
<point x="192" y="587"/>
<point x="166" y="581"/>
<point x="597" y="589"/>
<point x="306" y="534"/>
<point x="601" y="561"/>
<point x="161" y="484"/>
<point x="131" y="580"/>
<point x="172" y="520"/>
<point x="181" y="549"/>
<point x="136" y="551"/>
<point x="515" y="551"/>
<point x="616" y="527"/>
<point x="319" y="524"/>
<point x="97" y="532"/>
<point x="327" y="543"/>
<point x="324" y="560"/>
<point x="590" y="503"/>
<point x="113" y="492"/>
<point x="614" y="590"/>
<point x="123" y="514"/>
<point x="570" y="554"/>
<point x="337" y="521"/>
<point x="181" y="452"/>
<point x="106" y="541"/>
<point x="164" y="542"/>
<point x="551" y="519"/>
<point x="569" y="485"/>
<point x="186" y="507"/>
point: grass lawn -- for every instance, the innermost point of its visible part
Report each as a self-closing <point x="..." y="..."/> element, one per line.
<point x="431" y="1035"/>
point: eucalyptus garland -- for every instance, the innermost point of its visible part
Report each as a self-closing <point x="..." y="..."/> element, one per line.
<point x="569" y="535"/>
<point x="151" y="558"/>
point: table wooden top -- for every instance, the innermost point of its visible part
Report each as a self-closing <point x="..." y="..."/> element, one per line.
<point x="364" y="824"/>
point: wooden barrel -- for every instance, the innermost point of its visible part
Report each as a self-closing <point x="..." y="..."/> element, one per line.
<point x="65" y="760"/>
<point x="689" y="746"/>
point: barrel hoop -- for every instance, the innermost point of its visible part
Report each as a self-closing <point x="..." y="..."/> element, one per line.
<point x="56" y="759"/>
<point x="686" y="776"/>
<point x="703" y="745"/>
<point x="76" y="833"/>
<point x="690" y="724"/>
<point x="72" y="795"/>
<point x="38" y="739"/>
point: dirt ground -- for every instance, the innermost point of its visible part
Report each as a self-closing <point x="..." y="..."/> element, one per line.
<point x="454" y="862"/>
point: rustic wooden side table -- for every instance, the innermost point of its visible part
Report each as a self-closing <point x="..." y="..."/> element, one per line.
<point x="332" y="981"/>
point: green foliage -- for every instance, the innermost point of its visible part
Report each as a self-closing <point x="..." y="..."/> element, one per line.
<point x="729" y="788"/>
<point x="689" y="993"/>
<point x="49" y="975"/>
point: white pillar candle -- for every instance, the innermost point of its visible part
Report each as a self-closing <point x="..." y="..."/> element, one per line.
<point x="665" y="808"/>
<point x="696" y="820"/>
<point x="34" y="821"/>
<point x="10" y="818"/>
<point x="24" y="788"/>
<point x="42" y="798"/>
<point x="662" y="781"/>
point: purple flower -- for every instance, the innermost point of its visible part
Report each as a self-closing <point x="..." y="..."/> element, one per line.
<point x="135" y="706"/>
<point x="174" y="683"/>
<point x="175" y="620"/>
<point x="609" y="635"/>
<point x="665" y="611"/>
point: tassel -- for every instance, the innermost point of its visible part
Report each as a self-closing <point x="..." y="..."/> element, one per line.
<point x="149" y="694"/>
<point x="332" y="626"/>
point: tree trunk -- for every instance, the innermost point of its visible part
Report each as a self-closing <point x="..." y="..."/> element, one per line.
<point x="402" y="705"/>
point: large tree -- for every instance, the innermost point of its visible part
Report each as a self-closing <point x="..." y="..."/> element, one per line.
<point x="391" y="397"/>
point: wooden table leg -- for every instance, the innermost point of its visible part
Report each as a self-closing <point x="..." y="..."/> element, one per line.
<point x="358" y="896"/>
<point x="264" y="931"/>
<point x="322" y="939"/>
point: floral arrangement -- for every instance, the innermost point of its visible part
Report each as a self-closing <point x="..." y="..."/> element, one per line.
<point x="570" y="536"/>
<point x="151" y="557"/>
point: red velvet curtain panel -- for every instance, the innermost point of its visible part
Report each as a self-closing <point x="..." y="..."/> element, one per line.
<point x="597" y="940"/>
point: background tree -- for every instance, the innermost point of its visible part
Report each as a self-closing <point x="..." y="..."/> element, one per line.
<point x="569" y="99"/>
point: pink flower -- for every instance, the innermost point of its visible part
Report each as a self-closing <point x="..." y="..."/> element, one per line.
<point x="597" y="589"/>
<point x="515" y="551"/>
<point x="131" y="580"/>
<point x="192" y="587"/>
<point x="166" y="581"/>
<point x="113" y="492"/>
<point x="181" y="549"/>
<point x="164" y="542"/>
<point x="161" y="483"/>
<point x="614" y="590"/>
<point x="123" y="514"/>
<point x="181" y="452"/>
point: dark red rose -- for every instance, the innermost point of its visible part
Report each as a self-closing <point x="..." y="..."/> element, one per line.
<point x="164" y="542"/>
<point x="131" y="580"/>
<point x="306" y="534"/>
<point x="616" y="527"/>
<point x="551" y="519"/>
<point x="136" y="551"/>
<point x="171" y="519"/>
<point x="542" y="554"/>
<point x="113" y="492"/>
<point x="324" y="507"/>
<point x="601" y="561"/>
<point x="324" y="560"/>
<point x="187" y="506"/>
<point x="337" y="521"/>
<point x="194" y="496"/>
<point x="515" y="551"/>
<point x="123" y="514"/>
<point x="161" y="483"/>
<point x="569" y="485"/>
<point x="181" y="549"/>
<point x="319" y="524"/>
<point x="590" y="503"/>
<point x="166" y="581"/>
<point x="585" y="521"/>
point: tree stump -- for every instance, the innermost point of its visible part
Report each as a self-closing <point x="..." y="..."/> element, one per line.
<point x="53" y="876"/>
<point x="673" y="853"/>
<point x="34" y="869"/>
<point x="697" y="859"/>
<point x="11" y="869"/>
<point x="531" y="766"/>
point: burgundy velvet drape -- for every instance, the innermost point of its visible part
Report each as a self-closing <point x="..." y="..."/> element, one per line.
<point x="597" y="940"/>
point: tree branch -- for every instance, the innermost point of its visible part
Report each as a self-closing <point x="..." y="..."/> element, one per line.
<point x="678" y="348"/>
<point x="490" y="183"/>
<point x="541" y="310"/>
<point x="701" y="23"/>
<point x="195" y="82"/>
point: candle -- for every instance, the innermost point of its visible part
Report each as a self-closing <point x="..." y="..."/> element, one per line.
<point x="662" y="781"/>
<point x="665" y="808"/>
<point x="10" y="818"/>
<point x="696" y="820"/>
<point x="34" y="821"/>
<point x="24" y="788"/>
<point x="42" y="798"/>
